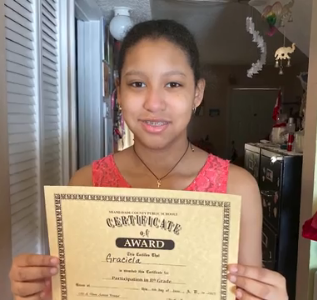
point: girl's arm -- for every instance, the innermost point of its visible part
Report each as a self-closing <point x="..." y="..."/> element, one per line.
<point x="242" y="183"/>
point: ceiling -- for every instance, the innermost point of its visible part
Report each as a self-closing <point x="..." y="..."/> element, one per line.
<point x="219" y="28"/>
<point x="141" y="9"/>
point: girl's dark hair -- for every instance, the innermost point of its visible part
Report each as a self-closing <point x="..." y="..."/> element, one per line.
<point x="162" y="29"/>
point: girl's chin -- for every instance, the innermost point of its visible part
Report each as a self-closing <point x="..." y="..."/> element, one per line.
<point x="153" y="142"/>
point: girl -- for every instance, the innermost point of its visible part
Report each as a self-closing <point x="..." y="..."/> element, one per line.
<point x="159" y="88"/>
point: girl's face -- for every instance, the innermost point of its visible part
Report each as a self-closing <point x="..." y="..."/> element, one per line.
<point x="157" y="92"/>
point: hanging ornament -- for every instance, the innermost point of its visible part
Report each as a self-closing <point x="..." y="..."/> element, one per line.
<point x="286" y="14"/>
<point x="277" y="15"/>
<point x="257" y="38"/>
<point x="283" y="54"/>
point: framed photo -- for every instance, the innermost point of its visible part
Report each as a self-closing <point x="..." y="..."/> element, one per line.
<point x="214" y="112"/>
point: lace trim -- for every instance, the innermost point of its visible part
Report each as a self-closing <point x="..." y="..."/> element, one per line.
<point x="213" y="176"/>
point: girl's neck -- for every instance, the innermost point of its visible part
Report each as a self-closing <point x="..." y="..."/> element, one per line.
<point x="160" y="161"/>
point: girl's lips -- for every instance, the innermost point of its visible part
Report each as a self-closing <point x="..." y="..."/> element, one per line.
<point x="154" y="126"/>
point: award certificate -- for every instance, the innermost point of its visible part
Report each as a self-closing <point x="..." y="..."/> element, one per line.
<point x="141" y="244"/>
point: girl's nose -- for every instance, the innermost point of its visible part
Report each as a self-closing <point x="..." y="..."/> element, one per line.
<point x="154" y="100"/>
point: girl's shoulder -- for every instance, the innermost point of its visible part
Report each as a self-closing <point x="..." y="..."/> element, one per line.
<point x="82" y="177"/>
<point x="88" y="175"/>
<point x="240" y="180"/>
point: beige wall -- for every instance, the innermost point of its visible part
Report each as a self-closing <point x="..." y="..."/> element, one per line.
<point x="5" y="217"/>
<point x="216" y="96"/>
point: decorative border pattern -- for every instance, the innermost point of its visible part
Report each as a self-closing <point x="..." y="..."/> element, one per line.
<point x="60" y="231"/>
<point x="61" y="247"/>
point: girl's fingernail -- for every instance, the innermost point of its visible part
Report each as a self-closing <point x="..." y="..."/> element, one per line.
<point x="47" y="283"/>
<point x="233" y="269"/>
<point x="239" y="294"/>
<point x="53" y="271"/>
<point x="42" y="295"/>
<point x="233" y="279"/>
<point x="54" y="261"/>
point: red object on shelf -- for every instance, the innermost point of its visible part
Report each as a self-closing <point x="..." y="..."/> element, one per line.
<point x="290" y="142"/>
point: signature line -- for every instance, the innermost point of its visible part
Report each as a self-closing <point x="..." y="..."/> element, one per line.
<point x="170" y="265"/>
<point x="85" y="296"/>
<point x="111" y="287"/>
<point x="154" y="264"/>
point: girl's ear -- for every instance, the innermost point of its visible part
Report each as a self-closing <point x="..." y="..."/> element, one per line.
<point x="199" y="92"/>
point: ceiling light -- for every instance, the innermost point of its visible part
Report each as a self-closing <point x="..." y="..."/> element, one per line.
<point x="121" y="23"/>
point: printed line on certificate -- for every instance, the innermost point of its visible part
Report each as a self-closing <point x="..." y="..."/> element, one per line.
<point x="116" y="279"/>
<point x="100" y="296"/>
<point x="113" y="287"/>
<point x="153" y="264"/>
<point x="169" y="265"/>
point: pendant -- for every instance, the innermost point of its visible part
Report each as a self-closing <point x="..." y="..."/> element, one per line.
<point x="159" y="183"/>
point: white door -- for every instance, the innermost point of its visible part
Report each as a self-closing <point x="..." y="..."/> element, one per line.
<point x="250" y="117"/>
<point x="22" y="126"/>
<point x="34" y="119"/>
<point x="50" y="93"/>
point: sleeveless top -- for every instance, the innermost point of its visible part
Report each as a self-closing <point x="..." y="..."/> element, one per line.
<point x="213" y="177"/>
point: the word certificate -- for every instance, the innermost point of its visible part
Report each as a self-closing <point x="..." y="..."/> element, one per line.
<point x="138" y="244"/>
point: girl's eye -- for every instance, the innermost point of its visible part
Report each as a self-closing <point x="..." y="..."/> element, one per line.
<point x="138" y="84"/>
<point x="173" y="85"/>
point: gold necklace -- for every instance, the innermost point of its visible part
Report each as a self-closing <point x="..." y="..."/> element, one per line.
<point x="159" y="180"/>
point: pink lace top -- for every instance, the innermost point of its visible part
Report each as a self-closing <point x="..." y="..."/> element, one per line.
<point x="213" y="176"/>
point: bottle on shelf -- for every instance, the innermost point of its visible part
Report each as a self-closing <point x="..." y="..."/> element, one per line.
<point x="290" y="128"/>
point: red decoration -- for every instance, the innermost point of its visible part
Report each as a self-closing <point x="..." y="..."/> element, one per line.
<point x="310" y="228"/>
<point x="277" y="107"/>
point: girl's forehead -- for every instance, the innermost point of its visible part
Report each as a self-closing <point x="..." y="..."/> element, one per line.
<point x="160" y="45"/>
<point x="155" y="52"/>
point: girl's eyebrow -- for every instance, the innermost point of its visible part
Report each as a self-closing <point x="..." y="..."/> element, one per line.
<point x="173" y="72"/>
<point x="133" y="72"/>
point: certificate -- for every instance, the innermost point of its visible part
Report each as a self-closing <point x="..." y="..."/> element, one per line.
<point x="141" y="244"/>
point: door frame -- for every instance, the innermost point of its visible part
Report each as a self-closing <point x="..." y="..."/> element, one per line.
<point x="68" y="89"/>
<point x="90" y="102"/>
<point x="229" y="106"/>
<point x="307" y="251"/>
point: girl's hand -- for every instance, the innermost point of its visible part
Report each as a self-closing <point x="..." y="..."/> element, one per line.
<point x="254" y="283"/>
<point x="30" y="276"/>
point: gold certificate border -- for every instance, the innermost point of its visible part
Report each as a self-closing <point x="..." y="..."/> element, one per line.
<point x="225" y="205"/>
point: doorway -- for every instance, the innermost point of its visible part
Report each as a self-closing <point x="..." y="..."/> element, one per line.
<point x="249" y="119"/>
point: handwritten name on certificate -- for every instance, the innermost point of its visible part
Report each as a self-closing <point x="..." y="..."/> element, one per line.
<point x="138" y="244"/>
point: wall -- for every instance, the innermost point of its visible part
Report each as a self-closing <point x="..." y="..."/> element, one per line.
<point x="217" y="92"/>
